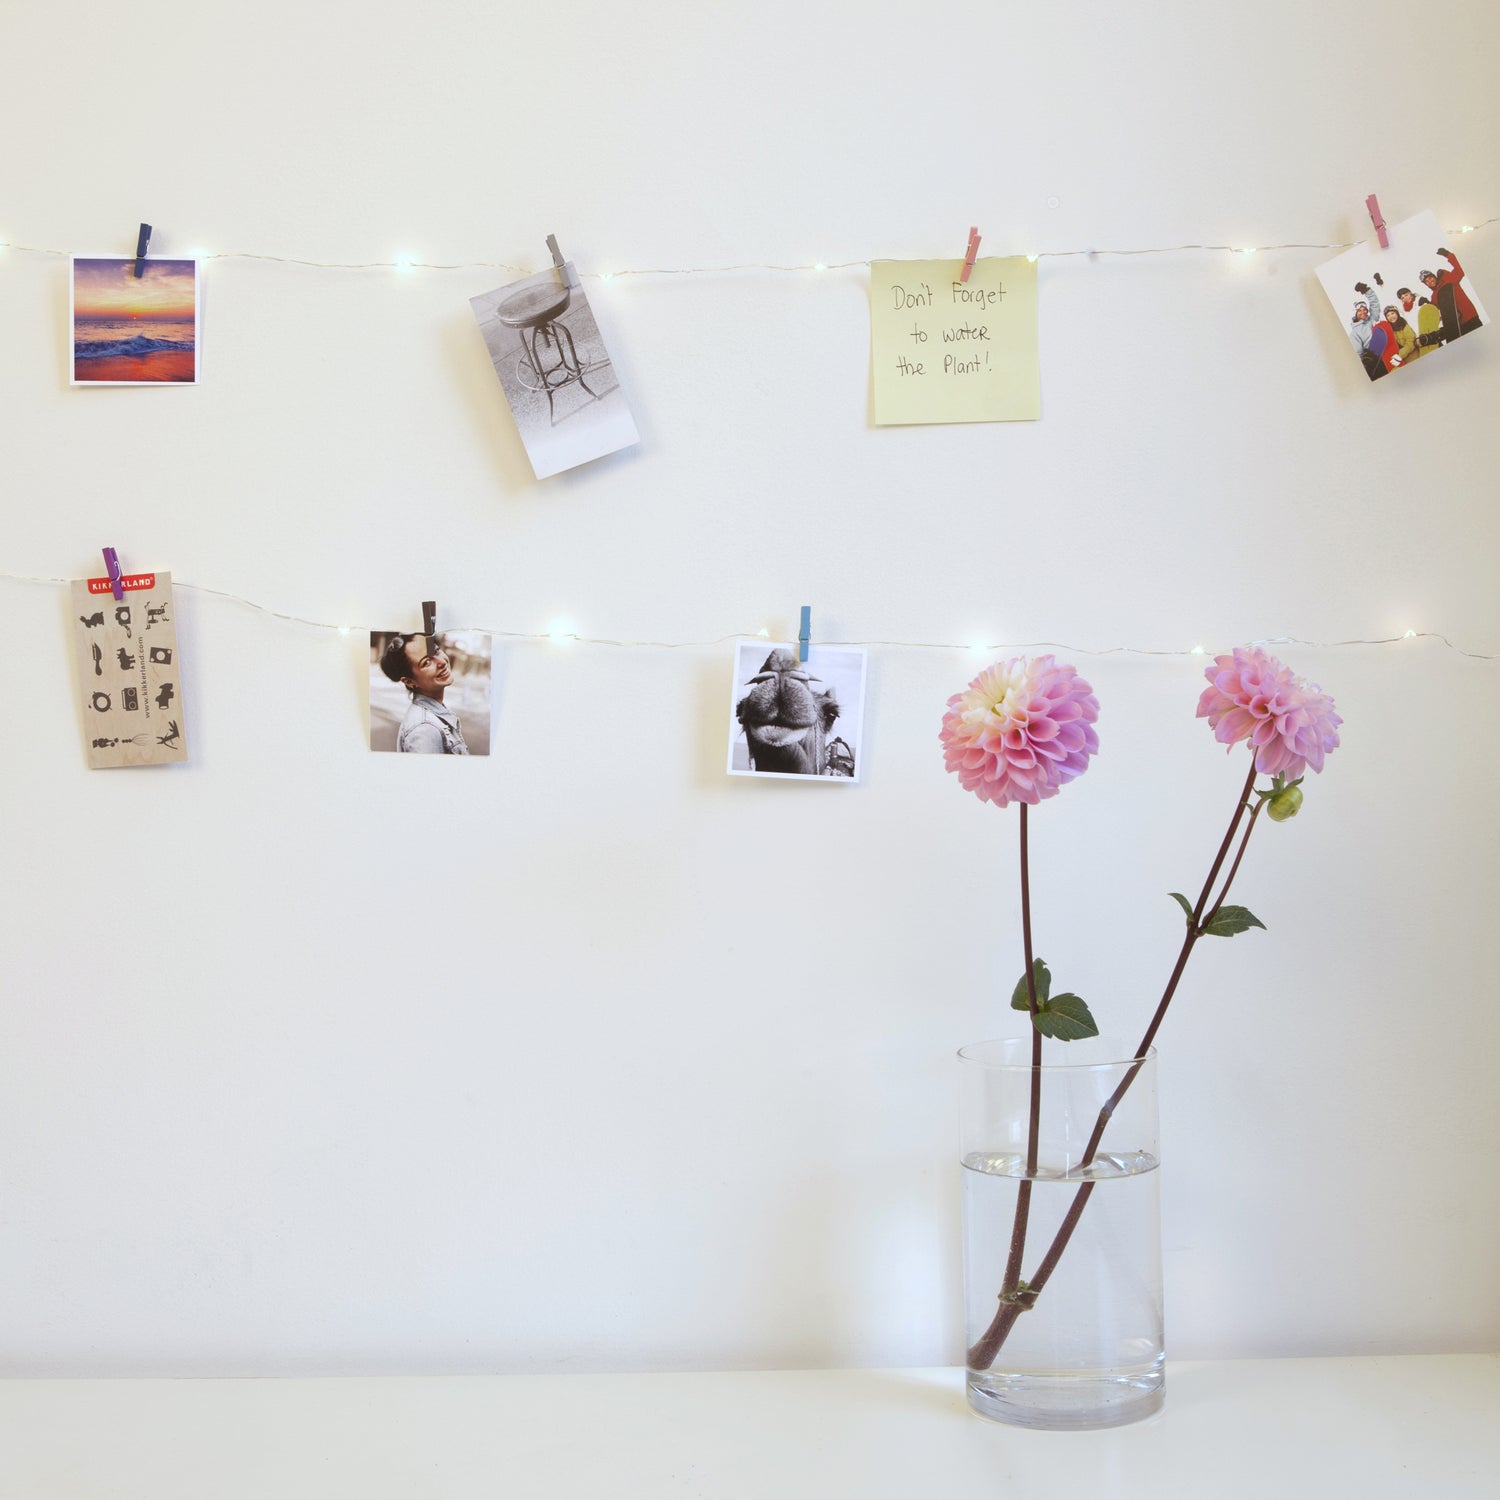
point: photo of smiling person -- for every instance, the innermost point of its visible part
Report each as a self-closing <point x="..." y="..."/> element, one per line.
<point x="430" y="694"/>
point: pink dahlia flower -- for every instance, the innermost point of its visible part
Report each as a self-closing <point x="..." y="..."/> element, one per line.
<point x="1291" y="723"/>
<point x="1020" y="731"/>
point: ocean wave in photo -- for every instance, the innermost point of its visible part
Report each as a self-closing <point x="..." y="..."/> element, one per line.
<point x="131" y="348"/>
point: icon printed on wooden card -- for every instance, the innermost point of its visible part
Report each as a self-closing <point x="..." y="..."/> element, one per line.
<point x="127" y="690"/>
<point x="1403" y="303"/>
<point x="130" y="330"/>
<point x="790" y="718"/>
<point x="430" y="694"/>
<point x="555" y="371"/>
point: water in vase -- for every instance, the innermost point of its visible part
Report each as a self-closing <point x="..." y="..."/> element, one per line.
<point x="1089" y="1352"/>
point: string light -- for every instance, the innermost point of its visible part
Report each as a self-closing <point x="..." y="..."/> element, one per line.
<point x="405" y="262"/>
<point x="561" y="632"/>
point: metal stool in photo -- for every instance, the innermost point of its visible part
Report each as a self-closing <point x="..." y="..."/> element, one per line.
<point x="549" y="360"/>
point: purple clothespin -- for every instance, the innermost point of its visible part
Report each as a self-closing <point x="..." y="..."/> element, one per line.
<point x="1374" y="207"/>
<point x="141" y="241"/>
<point x="429" y="617"/>
<point x="112" y="562"/>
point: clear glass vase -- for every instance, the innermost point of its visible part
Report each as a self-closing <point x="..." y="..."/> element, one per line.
<point x="1063" y="1314"/>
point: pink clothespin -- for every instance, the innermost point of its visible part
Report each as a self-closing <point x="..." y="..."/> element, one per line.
<point x="1374" y="207"/>
<point x="970" y="253"/>
<point x="112" y="563"/>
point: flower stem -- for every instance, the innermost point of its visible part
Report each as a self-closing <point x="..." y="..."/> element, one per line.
<point x="1034" y="1124"/>
<point x="1023" y="1197"/>
<point x="982" y="1355"/>
<point x="1213" y="911"/>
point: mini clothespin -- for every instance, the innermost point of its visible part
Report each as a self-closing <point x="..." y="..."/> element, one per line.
<point x="429" y="617"/>
<point x="112" y="563"/>
<point x="803" y="631"/>
<point x="1374" y="207"/>
<point x="141" y="241"/>
<point x="970" y="253"/>
<point x="558" y="262"/>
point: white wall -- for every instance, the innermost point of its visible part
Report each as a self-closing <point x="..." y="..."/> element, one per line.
<point x="586" y="1056"/>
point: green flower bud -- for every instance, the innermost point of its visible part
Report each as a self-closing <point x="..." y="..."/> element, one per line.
<point x="1284" y="804"/>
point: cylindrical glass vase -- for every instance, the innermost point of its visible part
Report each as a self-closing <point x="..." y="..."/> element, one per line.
<point x="1062" y="1233"/>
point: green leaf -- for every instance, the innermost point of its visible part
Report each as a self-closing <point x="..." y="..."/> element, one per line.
<point x="1065" y="1019"/>
<point x="1231" y="920"/>
<point x="1183" y="902"/>
<point x="1043" y="987"/>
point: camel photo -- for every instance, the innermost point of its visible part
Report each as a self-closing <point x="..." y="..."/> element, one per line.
<point x="794" y="718"/>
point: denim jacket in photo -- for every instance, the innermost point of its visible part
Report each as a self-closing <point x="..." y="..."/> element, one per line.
<point x="430" y="729"/>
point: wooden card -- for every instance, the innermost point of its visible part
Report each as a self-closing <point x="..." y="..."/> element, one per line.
<point x="128" y="671"/>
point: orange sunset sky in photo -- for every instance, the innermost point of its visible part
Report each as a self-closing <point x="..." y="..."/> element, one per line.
<point x="109" y="289"/>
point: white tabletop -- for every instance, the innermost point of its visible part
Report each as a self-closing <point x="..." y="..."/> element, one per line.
<point x="1411" y="1426"/>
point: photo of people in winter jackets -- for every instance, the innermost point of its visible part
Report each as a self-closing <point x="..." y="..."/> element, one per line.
<point x="1404" y="302"/>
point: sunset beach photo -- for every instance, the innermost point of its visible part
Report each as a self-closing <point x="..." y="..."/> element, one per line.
<point x="134" y="331"/>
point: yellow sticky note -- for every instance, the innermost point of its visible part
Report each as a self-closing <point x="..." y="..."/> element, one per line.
<point x="945" y="350"/>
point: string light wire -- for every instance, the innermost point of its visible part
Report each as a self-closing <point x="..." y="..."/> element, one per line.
<point x="556" y="636"/>
<point x="408" y="263"/>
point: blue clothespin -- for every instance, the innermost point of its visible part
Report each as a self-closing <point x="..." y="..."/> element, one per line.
<point x="142" y="240"/>
<point x="429" y="617"/>
<point x="803" y="631"/>
<point x="112" y="562"/>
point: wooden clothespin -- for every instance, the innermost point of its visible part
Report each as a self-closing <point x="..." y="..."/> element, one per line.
<point x="804" y="630"/>
<point x="559" y="263"/>
<point x="970" y="253"/>
<point x="141" y="241"/>
<point x="1379" y="222"/>
<point x="112" y="565"/>
<point x="429" y="617"/>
